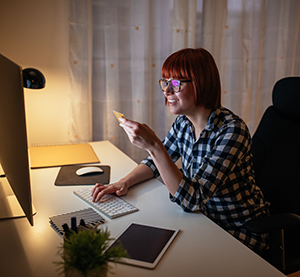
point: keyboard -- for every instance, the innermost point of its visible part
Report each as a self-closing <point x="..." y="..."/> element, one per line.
<point x="110" y="204"/>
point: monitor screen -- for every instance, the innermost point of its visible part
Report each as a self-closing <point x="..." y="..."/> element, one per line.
<point x="13" y="136"/>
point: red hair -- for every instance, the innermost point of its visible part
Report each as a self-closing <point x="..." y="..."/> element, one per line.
<point x="199" y="66"/>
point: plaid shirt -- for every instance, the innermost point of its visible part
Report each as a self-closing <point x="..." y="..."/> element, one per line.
<point x="218" y="178"/>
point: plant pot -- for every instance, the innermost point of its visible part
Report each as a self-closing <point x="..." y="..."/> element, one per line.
<point x="101" y="272"/>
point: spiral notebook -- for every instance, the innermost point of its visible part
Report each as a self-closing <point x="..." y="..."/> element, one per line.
<point x="89" y="215"/>
<point x="59" y="155"/>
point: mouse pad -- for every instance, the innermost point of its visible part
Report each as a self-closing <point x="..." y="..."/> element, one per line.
<point x="67" y="176"/>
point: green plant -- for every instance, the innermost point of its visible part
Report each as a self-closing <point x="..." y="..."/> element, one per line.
<point x="85" y="251"/>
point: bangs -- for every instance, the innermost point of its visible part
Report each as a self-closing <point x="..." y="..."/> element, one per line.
<point x="176" y="67"/>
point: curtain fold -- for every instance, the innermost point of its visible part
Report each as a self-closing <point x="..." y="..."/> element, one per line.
<point x="255" y="43"/>
<point x="80" y="71"/>
<point x="133" y="40"/>
<point x="183" y="24"/>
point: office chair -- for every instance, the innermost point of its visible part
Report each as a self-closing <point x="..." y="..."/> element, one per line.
<point x="276" y="162"/>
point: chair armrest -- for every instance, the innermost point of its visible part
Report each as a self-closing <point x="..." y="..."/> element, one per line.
<point x="266" y="224"/>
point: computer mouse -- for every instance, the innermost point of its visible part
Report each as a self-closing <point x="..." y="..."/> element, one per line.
<point x="88" y="170"/>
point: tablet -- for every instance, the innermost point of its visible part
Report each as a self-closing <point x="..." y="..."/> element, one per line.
<point x="145" y="244"/>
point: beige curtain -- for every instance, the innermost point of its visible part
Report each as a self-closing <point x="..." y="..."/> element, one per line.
<point x="80" y="71"/>
<point x="255" y="43"/>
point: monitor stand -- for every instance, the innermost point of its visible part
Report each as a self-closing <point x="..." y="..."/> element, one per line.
<point x="9" y="205"/>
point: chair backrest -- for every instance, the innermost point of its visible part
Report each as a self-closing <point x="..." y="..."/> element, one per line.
<point x="276" y="148"/>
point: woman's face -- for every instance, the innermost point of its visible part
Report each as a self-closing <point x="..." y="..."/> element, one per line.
<point x="181" y="102"/>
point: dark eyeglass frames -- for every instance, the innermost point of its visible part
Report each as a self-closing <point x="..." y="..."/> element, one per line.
<point x="174" y="85"/>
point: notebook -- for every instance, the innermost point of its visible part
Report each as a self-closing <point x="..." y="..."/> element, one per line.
<point x="90" y="217"/>
<point x="59" y="155"/>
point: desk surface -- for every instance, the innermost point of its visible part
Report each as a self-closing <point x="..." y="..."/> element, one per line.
<point x="201" y="248"/>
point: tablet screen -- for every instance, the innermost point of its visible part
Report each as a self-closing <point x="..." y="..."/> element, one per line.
<point x="145" y="244"/>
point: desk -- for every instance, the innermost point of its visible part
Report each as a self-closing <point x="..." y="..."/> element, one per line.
<point x="201" y="248"/>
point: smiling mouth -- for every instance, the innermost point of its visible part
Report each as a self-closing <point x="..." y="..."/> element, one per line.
<point x="172" y="101"/>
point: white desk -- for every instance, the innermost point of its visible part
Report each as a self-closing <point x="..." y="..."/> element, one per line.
<point x="200" y="249"/>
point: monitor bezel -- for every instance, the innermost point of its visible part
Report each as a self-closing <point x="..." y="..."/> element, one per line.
<point x="14" y="157"/>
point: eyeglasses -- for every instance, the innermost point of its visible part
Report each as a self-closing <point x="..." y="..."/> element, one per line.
<point x="174" y="85"/>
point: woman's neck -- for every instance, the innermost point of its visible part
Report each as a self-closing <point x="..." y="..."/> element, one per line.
<point x="199" y="119"/>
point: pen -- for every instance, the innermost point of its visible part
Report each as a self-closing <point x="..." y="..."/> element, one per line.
<point x="74" y="224"/>
<point x="82" y="223"/>
<point x="66" y="230"/>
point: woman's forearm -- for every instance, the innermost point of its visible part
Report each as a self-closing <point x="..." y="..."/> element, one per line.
<point x="139" y="174"/>
<point x="168" y="170"/>
<point x="143" y="137"/>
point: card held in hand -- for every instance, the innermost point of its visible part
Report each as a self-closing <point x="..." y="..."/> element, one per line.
<point x="118" y="115"/>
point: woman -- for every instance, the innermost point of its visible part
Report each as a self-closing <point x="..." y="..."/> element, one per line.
<point x="213" y="143"/>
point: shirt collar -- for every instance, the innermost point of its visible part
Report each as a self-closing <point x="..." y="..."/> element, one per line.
<point x="212" y="120"/>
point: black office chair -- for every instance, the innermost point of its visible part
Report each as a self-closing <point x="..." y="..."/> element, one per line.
<point x="276" y="161"/>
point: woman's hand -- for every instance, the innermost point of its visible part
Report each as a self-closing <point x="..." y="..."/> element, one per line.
<point x="142" y="136"/>
<point x="139" y="134"/>
<point x="100" y="190"/>
<point x="137" y="175"/>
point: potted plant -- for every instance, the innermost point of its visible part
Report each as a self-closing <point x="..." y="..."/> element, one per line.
<point x="83" y="253"/>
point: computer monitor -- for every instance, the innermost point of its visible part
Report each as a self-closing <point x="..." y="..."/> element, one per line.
<point x="14" y="157"/>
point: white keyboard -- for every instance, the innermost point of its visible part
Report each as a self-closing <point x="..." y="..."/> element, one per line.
<point x="110" y="204"/>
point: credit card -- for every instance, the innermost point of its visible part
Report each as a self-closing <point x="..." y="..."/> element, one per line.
<point x="118" y="115"/>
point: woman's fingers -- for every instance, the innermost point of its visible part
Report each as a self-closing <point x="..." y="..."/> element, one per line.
<point x="100" y="190"/>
